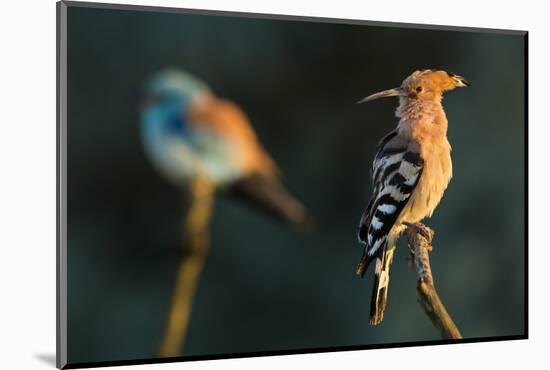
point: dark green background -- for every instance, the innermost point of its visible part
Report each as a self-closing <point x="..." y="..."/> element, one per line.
<point x="266" y="287"/>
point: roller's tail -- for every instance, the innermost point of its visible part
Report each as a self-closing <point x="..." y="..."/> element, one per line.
<point x="381" y="284"/>
<point x="269" y="195"/>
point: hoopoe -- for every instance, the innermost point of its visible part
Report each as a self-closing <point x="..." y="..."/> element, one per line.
<point x="410" y="172"/>
<point x="189" y="132"/>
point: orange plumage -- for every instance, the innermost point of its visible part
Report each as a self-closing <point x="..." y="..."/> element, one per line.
<point x="224" y="118"/>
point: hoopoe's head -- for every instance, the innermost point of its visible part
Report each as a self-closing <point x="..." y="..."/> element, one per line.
<point x="427" y="84"/>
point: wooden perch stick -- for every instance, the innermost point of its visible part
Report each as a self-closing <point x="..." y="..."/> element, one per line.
<point x="420" y="239"/>
<point x="195" y="243"/>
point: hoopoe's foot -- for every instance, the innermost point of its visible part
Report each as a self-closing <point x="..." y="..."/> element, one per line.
<point x="421" y="229"/>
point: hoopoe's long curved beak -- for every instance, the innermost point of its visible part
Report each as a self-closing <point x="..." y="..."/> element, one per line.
<point x="382" y="94"/>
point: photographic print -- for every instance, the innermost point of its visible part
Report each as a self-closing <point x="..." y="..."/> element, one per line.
<point x="235" y="184"/>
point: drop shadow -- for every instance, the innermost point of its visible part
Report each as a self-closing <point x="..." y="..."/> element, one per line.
<point x="48" y="358"/>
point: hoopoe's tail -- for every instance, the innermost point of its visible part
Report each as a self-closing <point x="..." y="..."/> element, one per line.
<point x="381" y="285"/>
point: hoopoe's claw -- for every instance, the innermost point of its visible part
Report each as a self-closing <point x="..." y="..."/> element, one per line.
<point x="421" y="229"/>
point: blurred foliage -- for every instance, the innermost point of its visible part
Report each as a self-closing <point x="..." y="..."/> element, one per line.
<point x="266" y="287"/>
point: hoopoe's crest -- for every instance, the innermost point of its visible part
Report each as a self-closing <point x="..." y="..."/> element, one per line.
<point x="430" y="85"/>
<point x="410" y="171"/>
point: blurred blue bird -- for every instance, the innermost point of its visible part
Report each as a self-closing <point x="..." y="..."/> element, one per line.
<point x="189" y="133"/>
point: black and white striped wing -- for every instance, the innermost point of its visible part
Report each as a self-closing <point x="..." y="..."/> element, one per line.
<point x="397" y="168"/>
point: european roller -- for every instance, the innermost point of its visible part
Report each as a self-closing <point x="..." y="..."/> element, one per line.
<point x="188" y="132"/>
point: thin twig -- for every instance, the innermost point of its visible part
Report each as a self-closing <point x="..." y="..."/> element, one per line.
<point x="195" y="242"/>
<point x="420" y="239"/>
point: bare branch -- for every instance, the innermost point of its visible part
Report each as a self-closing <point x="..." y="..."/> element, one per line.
<point x="420" y="239"/>
<point x="196" y="245"/>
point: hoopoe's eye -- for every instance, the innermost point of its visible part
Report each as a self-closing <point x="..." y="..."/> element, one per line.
<point x="419" y="89"/>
